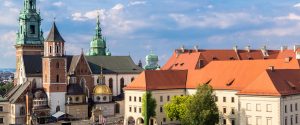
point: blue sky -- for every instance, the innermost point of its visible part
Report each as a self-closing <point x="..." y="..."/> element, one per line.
<point x="137" y="26"/>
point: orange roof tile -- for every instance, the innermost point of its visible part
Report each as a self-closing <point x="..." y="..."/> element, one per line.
<point x="189" y="59"/>
<point x="159" y="80"/>
<point x="240" y="72"/>
<point x="275" y="83"/>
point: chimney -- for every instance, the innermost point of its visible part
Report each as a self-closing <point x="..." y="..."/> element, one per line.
<point x="272" y="68"/>
<point x="196" y="48"/>
<point x="182" y="48"/>
<point x="296" y="47"/>
<point x="282" y="48"/>
<point x="264" y="51"/>
<point x="235" y="48"/>
<point x="248" y="48"/>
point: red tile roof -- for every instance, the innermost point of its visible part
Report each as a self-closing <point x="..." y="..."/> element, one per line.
<point x="189" y="59"/>
<point x="275" y="83"/>
<point x="159" y="80"/>
<point x="235" y="75"/>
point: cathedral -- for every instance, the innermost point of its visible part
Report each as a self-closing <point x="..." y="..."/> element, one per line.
<point x="48" y="83"/>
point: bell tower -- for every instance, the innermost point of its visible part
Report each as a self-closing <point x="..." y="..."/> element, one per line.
<point x="54" y="70"/>
<point x="29" y="39"/>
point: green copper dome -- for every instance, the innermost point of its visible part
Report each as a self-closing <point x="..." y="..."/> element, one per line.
<point x="98" y="44"/>
<point x="151" y="62"/>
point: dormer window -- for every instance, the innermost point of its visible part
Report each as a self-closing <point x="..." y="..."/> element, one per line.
<point x="231" y="58"/>
<point x="215" y="58"/>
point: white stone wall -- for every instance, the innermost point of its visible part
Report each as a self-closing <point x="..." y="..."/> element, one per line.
<point x="56" y="99"/>
<point x="137" y="104"/>
<point x="259" y="110"/>
<point x="291" y="105"/>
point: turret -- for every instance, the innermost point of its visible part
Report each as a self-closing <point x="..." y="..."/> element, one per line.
<point x="151" y="62"/>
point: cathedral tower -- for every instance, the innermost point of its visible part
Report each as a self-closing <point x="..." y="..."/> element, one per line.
<point x="29" y="39"/>
<point x="98" y="44"/>
<point x="54" y="70"/>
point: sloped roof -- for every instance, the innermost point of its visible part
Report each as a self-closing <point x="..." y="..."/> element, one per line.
<point x="190" y="58"/>
<point x="159" y="80"/>
<point x="74" y="89"/>
<point x="235" y="75"/>
<point x="112" y="64"/>
<point x="275" y="83"/>
<point x="54" y="35"/>
<point x="19" y="92"/>
<point x="33" y="65"/>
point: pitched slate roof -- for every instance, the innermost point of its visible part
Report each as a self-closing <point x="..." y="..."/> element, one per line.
<point x="112" y="64"/>
<point x="18" y="92"/>
<point x="33" y="65"/>
<point x="54" y="35"/>
<point x="74" y="89"/>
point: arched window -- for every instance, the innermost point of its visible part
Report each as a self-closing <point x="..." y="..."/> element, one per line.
<point x="57" y="49"/>
<point x="110" y="84"/>
<point x="57" y="78"/>
<point x="30" y="4"/>
<point x="57" y="64"/>
<point x="132" y="79"/>
<point x="57" y="108"/>
<point x="98" y="80"/>
<point x="122" y="85"/>
<point x="22" y="111"/>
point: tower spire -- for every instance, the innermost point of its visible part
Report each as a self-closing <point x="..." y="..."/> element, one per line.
<point x="98" y="27"/>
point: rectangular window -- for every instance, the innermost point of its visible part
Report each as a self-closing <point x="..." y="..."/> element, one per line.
<point x="291" y="107"/>
<point x="232" y="122"/>
<point x="269" y="121"/>
<point x="1" y="121"/>
<point x="216" y="98"/>
<point x="164" y="119"/>
<point x="161" y="98"/>
<point x="129" y="98"/>
<point x="258" y="121"/>
<point x="296" y="119"/>
<point x="50" y="49"/>
<point x="292" y="121"/>
<point x="134" y="99"/>
<point x="224" y="121"/>
<point x="296" y="107"/>
<point x="168" y="98"/>
<point x="135" y="109"/>
<point x="32" y="29"/>
<point x="129" y="109"/>
<point x="1" y="108"/>
<point x="140" y="110"/>
<point x="248" y="107"/>
<point x="140" y="99"/>
<point x="232" y="99"/>
<point x="224" y="110"/>
<point x="269" y="108"/>
<point x="161" y="108"/>
<point x="232" y="111"/>
<point x="248" y="120"/>
<point x="285" y="109"/>
<point x="258" y="107"/>
<point x="224" y="99"/>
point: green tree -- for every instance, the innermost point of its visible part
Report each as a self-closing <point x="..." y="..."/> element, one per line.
<point x="198" y="109"/>
<point x="5" y="87"/>
<point x="148" y="107"/>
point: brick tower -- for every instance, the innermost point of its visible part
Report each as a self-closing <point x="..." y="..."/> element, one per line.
<point x="30" y="38"/>
<point x="54" y="70"/>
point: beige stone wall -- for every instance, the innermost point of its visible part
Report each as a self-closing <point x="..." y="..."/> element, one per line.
<point x="78" y="111"/>
<point x="108" y="109"/>
<point x="5" y="113"/>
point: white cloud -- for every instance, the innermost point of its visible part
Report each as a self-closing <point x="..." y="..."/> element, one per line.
<point x="291" y="16"/>
<point x="297" y="5"/>
<point x="215" y="20"/>
<point x="114" y="19"/>
<point x="58" y="4"/>
<point x="132" y="3"/>
<point x="7" y="42"/>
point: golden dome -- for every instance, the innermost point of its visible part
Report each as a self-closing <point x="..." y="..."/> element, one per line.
<point x="102" y="89"/>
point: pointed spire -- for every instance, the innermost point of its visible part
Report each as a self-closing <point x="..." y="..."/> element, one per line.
<point x="54" y="35"/>
<point x="98" y="28"/>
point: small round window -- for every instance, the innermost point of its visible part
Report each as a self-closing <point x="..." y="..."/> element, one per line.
<point x="104" y="98"/>
<point x="98" y="98"/>
<point x="77" y="99"/>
